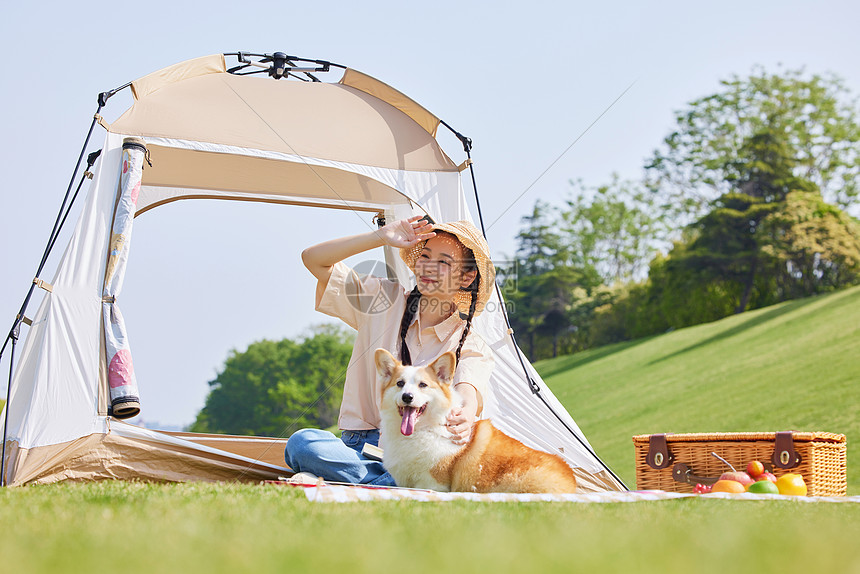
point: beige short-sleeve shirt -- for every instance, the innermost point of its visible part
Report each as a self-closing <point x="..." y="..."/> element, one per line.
<point x="374" y="307"/>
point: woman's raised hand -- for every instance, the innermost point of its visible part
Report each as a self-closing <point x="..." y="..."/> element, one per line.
<point x="407" y="232"/>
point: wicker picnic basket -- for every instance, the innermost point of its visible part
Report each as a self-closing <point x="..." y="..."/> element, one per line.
<point x="677" y="462"/>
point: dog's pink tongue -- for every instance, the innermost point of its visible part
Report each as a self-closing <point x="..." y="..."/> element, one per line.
<point x="410" y="414"/>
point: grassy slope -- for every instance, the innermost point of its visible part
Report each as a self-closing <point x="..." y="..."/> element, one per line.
<point x="793" y="366"/>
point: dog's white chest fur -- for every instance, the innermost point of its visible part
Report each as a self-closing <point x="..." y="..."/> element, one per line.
<point x="410" y="459"/>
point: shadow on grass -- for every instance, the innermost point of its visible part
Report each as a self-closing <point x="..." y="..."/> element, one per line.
<point x="742" y="326"/>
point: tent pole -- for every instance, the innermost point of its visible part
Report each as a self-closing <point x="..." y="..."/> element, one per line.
<point x="467" y="147"/>
<point x="14" y="335"/>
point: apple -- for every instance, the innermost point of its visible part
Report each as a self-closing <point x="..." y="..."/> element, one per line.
<point x="741" y="477"/>
<point x="767" y="476"/>
<point x="755" y="468"/>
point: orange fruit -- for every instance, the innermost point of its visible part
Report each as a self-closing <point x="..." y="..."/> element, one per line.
<point x="791" y="484"/>
<point x="728" y="486"/>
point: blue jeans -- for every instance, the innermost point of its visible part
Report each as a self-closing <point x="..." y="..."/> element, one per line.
<point x="336" y="459"/>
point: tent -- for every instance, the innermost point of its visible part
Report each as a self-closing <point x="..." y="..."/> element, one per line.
<point x="198" y="130"/>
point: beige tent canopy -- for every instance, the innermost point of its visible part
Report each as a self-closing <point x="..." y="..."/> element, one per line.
<point x="285" y="141"/>
<point x="204" y="131"/>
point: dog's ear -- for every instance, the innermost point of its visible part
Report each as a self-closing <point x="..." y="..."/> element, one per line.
<point x="385" y="363"/>
<point x="444" y="367"/>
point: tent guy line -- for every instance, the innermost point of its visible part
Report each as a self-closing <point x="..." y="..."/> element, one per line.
<point x="562" y="154"/>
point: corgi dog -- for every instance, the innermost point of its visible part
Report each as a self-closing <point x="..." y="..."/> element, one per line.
<point x="419" y="452"/>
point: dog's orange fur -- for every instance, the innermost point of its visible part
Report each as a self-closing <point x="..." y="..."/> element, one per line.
<point x="494" y="462"/>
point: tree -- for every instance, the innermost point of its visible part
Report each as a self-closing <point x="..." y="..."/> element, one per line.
<point x="275" y="386"/>
<point x="813" y="117"/>
<point x="729" y="246"/>
<point x="546" y="310"/>
<point x="815" y="245"/>
<point x="733" y="162"/>
<point x="604" y="235"/>
<point x="614" y="229"/>
<point x="754" y="177"/>
<point x="538" y="243"/>
<point x="728" y="249"/>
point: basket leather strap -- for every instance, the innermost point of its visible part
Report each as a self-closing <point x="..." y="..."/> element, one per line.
<point x="784" y="455"/>
<point x="684" y="474"/>
<point x="658" y="456"/>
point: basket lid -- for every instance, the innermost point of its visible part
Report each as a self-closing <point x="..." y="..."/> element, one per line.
<point x="797" y="436"/>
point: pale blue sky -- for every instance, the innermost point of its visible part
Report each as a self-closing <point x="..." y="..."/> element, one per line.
<point x="523" y="80"/>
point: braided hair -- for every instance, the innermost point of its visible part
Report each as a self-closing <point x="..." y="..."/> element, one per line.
<point x="408" y="314"/>
<point x="414" y="297"/>
<point x="473" y="288"/>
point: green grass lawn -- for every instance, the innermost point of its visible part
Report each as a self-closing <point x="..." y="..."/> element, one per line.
<point x="240" y="528"/>
<point x="793" y="366"/>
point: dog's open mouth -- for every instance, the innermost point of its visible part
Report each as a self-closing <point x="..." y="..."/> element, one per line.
<point x="410" y="415"/>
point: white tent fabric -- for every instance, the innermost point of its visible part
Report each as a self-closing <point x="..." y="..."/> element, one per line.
<point x="60" y="391"/>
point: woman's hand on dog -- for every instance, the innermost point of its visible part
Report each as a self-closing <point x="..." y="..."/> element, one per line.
<point x="460" y="422"/>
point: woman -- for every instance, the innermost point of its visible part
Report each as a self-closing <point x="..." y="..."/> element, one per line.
<point x="454" y="276"/>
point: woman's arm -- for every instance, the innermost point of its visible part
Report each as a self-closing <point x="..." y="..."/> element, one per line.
<point x="320" y="258"/>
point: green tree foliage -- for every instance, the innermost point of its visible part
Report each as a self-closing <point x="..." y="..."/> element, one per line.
<point x="274" y="387"/>
<point x="728" y="248"/>
<point x="547" y="311"/>
<point x="816" y="246"/>
<point x="746" y="247"/>
<point x="744" y="254"/>
<point x="540" y="295"/>
<point x="814" y="116"/>
<point x="538" y="241"/>
<point x="603" y="235"/>
<point x="613" y="229"/>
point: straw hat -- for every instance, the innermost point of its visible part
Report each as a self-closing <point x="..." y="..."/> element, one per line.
<point x="471" y="237"/>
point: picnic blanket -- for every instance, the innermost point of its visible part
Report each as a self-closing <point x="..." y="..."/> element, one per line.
<point x="356" y="493"/>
